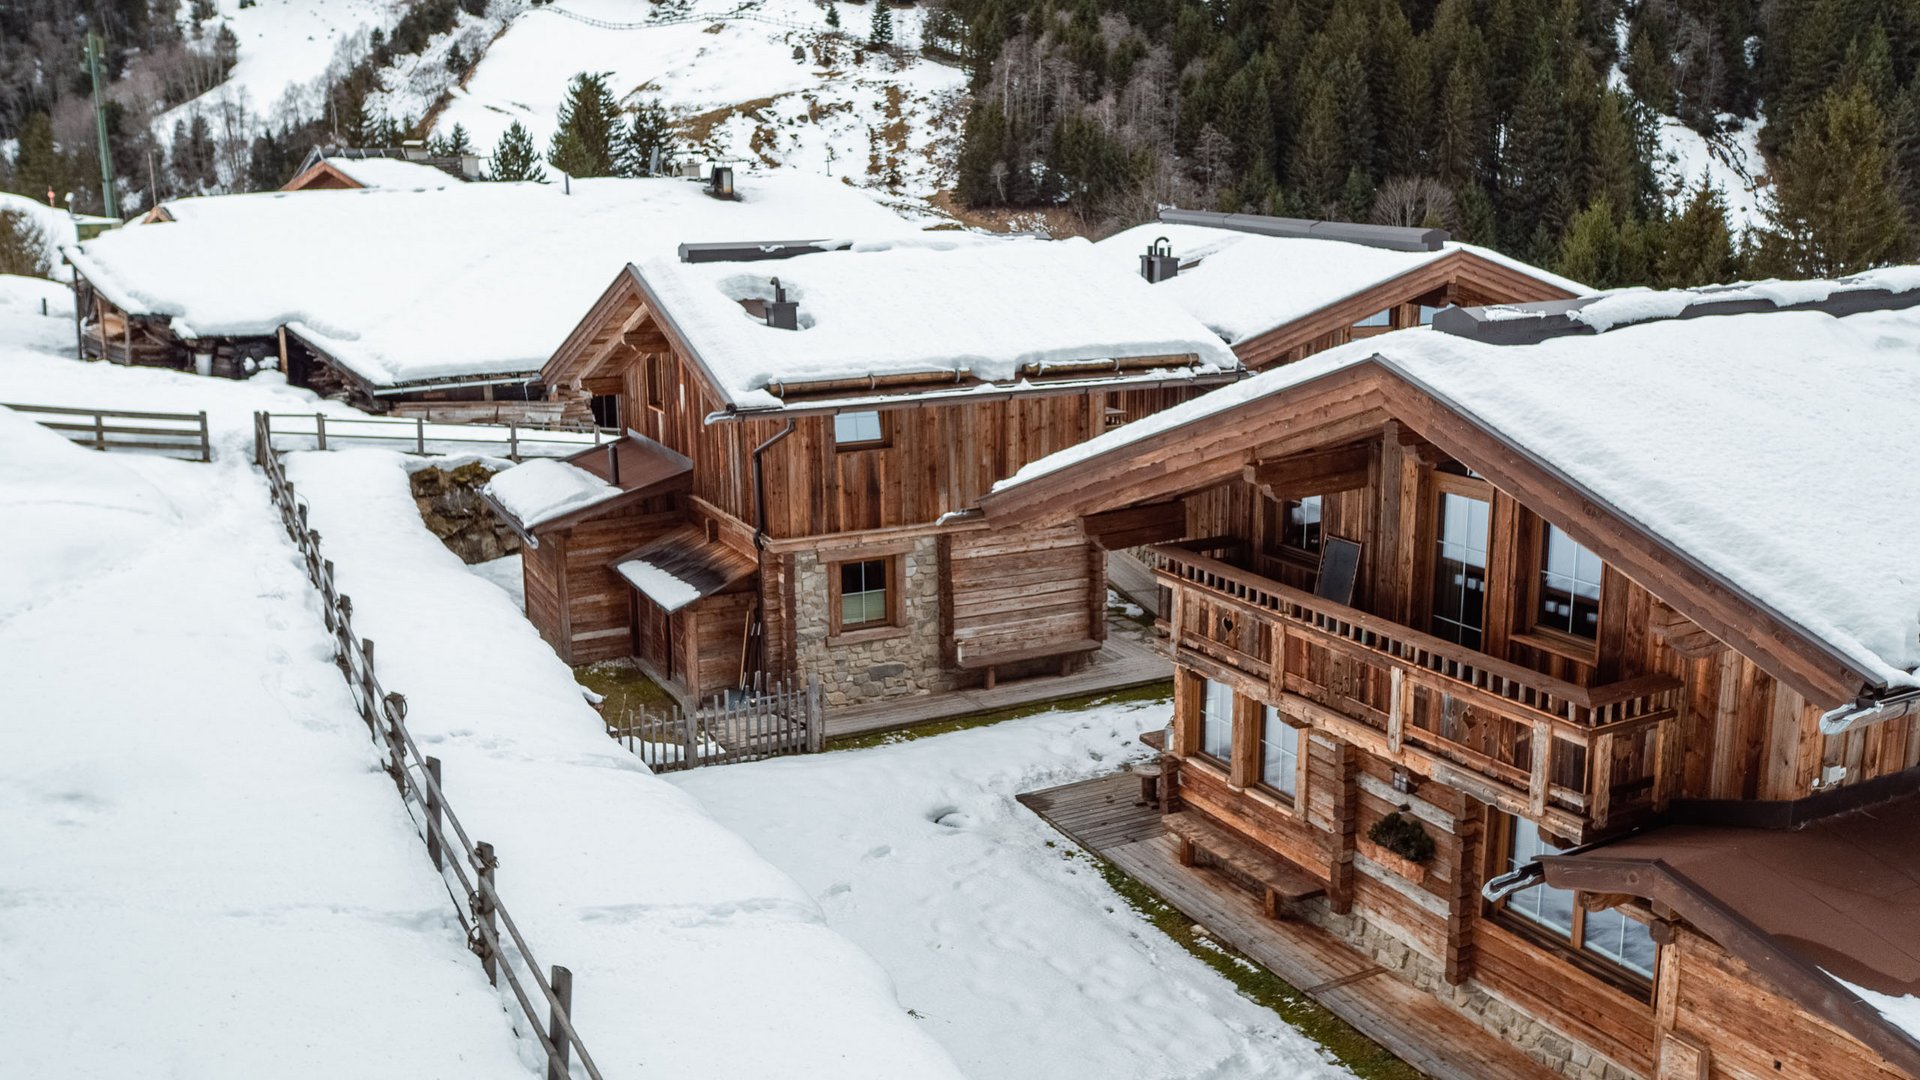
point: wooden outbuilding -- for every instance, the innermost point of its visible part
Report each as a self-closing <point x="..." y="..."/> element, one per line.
<point x="1565" y="661"/>
<point x="843" y="406"/>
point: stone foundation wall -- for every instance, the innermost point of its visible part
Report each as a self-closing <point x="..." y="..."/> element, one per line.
<point x="449" y="502"/>
<point x="868" y="666"/>
<point x="1534" y="1038"/>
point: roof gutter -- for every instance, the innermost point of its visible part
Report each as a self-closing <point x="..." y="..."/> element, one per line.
<point x="1870" y="709"/>
<point x="926" y="399"/>
<point x="760" y="487"/>
<point x="1868" y="679"/>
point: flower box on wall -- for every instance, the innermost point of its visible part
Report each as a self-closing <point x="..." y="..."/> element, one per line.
<point x="1415" y="873"/>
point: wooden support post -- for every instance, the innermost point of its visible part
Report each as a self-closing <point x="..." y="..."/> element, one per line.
<point x="1397" y="711"/>
<point x="433" y="807"/>
<point x="513" y="441"/>
<point x="562" y="983"/>
<point x="1600" y="779"/>
<point x="1542" y="767"/>
<point x="1343" y="769"/>
<point x="420" y="435"/>
<point x="320" y="430"/>
<point x="482" y="904"/>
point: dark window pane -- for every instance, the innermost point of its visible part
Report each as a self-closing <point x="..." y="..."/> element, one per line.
<point x="1460" y="570"/>
<point x="1300" y="527"/>
<point x="863" y="592"/>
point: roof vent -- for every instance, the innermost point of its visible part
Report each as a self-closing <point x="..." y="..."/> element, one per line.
<point x="782" y="313"/>
<point x="720" y="182"/>
<point x="1159" y="263"/>
<point x="1389" y="237"/>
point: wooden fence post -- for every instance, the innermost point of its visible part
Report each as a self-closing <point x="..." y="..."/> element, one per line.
<point x="482" y="905"/>
<point x="396" y="746"/>
<point x="690" y="738"/>
<point x="816" y="724"/>
<point x="420" y="435"/>
<point x="320" y="429"/>
<point x="513" y="441"/>
<point x="562" y="982"/>
<point x="432" y="766"/>
<point x="206" y="439"/>
<point x="99" y="431"/>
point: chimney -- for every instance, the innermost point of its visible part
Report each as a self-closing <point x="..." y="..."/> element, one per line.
<point x="720" y="182"/>
<point x="1159" y="263"/>
<point x="782" y="313"/>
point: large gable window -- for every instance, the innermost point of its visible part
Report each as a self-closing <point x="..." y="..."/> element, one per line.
<point x="1460" y="564"/>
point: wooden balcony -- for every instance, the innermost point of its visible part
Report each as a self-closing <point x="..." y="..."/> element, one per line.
<point x="1581" y="760"/>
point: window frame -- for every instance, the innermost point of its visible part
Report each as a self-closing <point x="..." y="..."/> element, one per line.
<point x="656" y="366"/>
<point x="1277" y="512"/>
<point x="1502" y="831"/>
<point x="1269" y="716"/>
<point x="884" y="440"/>
<point x="892" y="622"/>
<point x="1442" y="484"/>
<point x="1532" y="564"/>
<point x="1200" y="750"/>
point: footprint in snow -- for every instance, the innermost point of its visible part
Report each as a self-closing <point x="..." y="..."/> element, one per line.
<point x="880" y="852"/>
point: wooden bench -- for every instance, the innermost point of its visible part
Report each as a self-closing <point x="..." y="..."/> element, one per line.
<point x="992" y="661"/>
<point x="1280" y="881"/>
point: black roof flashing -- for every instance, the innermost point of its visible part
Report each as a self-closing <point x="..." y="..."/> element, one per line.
<point x="1532" y="323"/>
<point x="1390" y="237"/>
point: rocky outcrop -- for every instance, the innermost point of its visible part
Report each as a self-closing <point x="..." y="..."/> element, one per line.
<point x="449" y="501"/>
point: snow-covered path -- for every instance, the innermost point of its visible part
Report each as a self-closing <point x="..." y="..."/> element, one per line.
<point x="202" y="872"/>
<point x="1018" y="957"/>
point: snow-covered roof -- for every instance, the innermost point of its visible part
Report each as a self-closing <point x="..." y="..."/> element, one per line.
<point x="543" y="489"/>
<point x="380" y="172"/>
<point x="988" y="309"/>
<point x="1244" y="284"/>
<point x="1775" y="448"/>
<point x="469" y="280"/>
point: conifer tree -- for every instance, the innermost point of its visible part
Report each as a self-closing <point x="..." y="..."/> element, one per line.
<point x="587" y="141"/>
<point x="833" y="15"/>
<point x="23" y="246"/>
<point x="1837" y="203"/>
<point x="1590" y="254"/>
<point x="1697" y="248"/>
<point x="652" y="132"/>
<point x="458" y="141"/>
<point x="514" y="157"/>
<point x="880" y="31"/>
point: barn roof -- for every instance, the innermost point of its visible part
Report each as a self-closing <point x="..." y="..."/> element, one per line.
<point x="1774" y="449"/>
<point x="470" y="280"/>
<point x="950" y="314"/>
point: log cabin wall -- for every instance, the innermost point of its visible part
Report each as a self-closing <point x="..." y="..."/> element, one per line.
<point x="1719" y="1020"/>
<point x="592" y="616"/>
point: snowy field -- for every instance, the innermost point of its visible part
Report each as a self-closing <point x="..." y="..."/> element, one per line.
<point x="1020" y="960"/>
<point x="285" y="47"/>
<point x="734" y="81"/>
<point x="205" y="873"/>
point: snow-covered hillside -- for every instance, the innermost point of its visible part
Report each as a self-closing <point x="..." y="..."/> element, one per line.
<point x="285" y="45"/>
<point x="761" y="81"/>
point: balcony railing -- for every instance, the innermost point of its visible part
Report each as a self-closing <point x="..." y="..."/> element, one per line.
<point x="1572" y="757"/>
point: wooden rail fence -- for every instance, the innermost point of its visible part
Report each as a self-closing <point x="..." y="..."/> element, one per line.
<point x="464" y="864"/>
<point x="416" y="434"/>
<point x="108" y="429"/>
<point x="771" y="721"/>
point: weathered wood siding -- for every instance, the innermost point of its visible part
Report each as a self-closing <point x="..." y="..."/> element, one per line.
<point x="1711" y="999"/>
<point x="1025" y="591"/>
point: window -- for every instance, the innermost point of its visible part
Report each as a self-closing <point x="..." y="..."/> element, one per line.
<point x="1569" y="587"/>
<point x="857" y="429"/>
<point x="1428" y="311"/>
<point x="1460" y="569"/>
<point x="1279" y="754"/>
<point x="1607" y="936"/>
<point x="656" y="381"/>
<point x="1300" y="524"/>
<point x="1381" y="318"/>
<point x="1216" y="722"/>
<point x="863" y="594"/>
<point x="606" y="410"/>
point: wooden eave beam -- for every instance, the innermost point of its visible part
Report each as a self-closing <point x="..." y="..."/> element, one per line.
<point x="1134" y="526"/>
<point x="1317" y="472"/>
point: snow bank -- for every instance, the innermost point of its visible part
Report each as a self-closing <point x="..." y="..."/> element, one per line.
<point x="668" y="592"/>
<point x="1776" y="448"/>
<point x="467" y="280"/>
<point x="692" y="957"/>
<point x="205" y="873"/>
<point x="1019" y="959"/>
<point x="1902" y="1012"/>
<point x="65" y="513"/>
<point x="976" y="306"/>
<point x="57" y="227"/>
<point x="538" y="491"/>
<point x="1244" y="284"/>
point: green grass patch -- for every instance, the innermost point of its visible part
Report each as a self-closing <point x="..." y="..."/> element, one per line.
<point x="1158" y="691"/>
<point x="1366" y="1058"/>
<point x="624" y="685"/>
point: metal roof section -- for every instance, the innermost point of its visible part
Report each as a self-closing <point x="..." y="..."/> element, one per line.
<point x="757" y="251"/>
<point x="1530" y="324"/>
<point x="1389" y="237"/>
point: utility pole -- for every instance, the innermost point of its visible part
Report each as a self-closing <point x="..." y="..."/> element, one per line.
<point x="100" y="127"/>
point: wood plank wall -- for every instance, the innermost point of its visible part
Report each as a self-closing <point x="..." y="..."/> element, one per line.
<point x="598" y="618"/>
<point x="1026" y="591"/>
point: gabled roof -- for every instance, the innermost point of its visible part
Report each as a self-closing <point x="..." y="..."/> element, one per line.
<point x="947" y="316"/>
<point x="547" y="493"/>
<point x="1830" y="913"/>
<point x="1764" y="464"/>
<point x="405" y="286"/>
<point x="1244" y="283"/>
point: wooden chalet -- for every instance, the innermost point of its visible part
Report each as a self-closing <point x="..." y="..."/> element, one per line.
<point x="1562" y="662"/>
<point x="842" y="406"/>
<point x="1279" y="289"/>
<point x="342" y="168"/>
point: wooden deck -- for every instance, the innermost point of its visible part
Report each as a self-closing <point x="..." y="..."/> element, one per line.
<point x="1100" y="815"/>
<point x="1130" y="657"/>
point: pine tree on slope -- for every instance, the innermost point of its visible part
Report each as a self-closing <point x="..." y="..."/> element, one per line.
<point x="652" y="132"/>
<point x="880" y="33"/>
<point x="1837" y="204"/>
<point x="587" y="142"/>
<point x="514" y="158"/>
